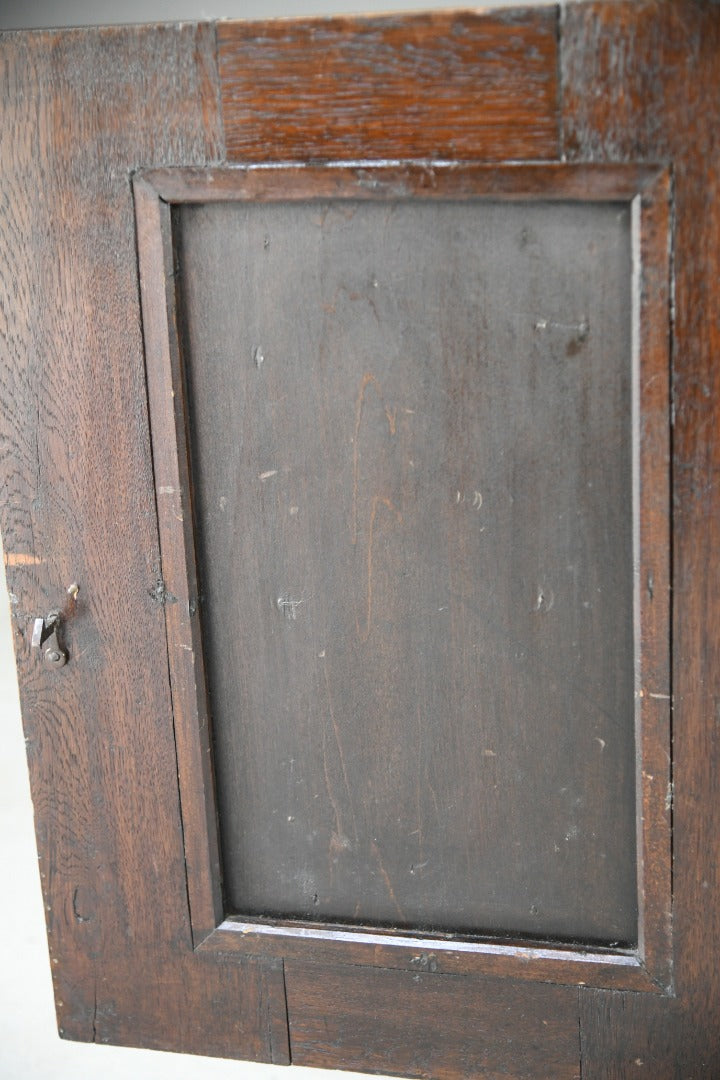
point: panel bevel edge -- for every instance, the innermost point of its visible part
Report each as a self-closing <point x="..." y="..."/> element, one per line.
<point x="368" y="947"/>
<point x="646" y="187"/>
<point x="652" y="242"/>
<point x="421" y="178"/>
<point x="177" y="587"/>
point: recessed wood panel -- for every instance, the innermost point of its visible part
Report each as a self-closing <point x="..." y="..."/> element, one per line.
<point x="411" y="437"/>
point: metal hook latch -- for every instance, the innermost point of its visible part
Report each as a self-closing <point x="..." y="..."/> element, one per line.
<point x="45" y="637"/>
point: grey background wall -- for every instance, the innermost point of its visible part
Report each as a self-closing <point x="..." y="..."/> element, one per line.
<point x="16" y="14"/>
<point x="29" y="1045"/>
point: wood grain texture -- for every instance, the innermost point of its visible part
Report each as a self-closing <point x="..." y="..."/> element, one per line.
<point x="431" y="1026"/>
<point x="639" y="81"/>
<point x="79" y="113"/>
<point x="428" y="85"/>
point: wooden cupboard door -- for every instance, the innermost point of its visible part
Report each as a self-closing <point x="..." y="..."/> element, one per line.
<point x="358" y="414"/>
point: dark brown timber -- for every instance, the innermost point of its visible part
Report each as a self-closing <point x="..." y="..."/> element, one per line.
<point x="431" y="85"/>
<point x="642" y="81"/>
<point x="204" y="314"/>
<point x="217" y="363"/>
<point x="78" y="505"/>
<point x="481" y="1035"/>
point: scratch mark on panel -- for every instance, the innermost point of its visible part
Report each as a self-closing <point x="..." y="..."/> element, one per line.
<point x="391" y="417"/>
<point x="386" y="879"/>
<point x="431" y="789"/>
<point x="338" y="743"/>
<point x="330" y="790"/>
<point x="378" y="501"/>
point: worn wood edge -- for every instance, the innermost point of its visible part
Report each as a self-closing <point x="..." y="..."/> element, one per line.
<point x="177" y="587"/>
<point x="432" y="179"/>
<point x="516" y="11"/>
<point x="365" y="947"/>
<point x="653" y="592"/>
<point x="274" y="1009"/>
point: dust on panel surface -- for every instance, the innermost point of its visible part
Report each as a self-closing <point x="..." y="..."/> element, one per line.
<point x="411" y="436"/>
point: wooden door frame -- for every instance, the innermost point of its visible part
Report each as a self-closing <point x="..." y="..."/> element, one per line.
<point x="616" y="84"/>
<point x="646" y="190"/>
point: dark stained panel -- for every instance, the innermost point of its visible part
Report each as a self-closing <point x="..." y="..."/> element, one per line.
<point x="411" y="435"/>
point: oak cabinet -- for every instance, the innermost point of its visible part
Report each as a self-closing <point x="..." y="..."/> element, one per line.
<point x="358" y="412"/>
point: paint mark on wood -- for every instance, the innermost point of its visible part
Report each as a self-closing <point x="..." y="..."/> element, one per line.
<point x="582" y="327"/>
<point x="16" y="558"/>
<point x="268" y="474"/>
<point x="425" y="961"/>
<point x="166" y="489"/>
<point x="669" y="796"/>
<point x="288" y="606"/>
<point x="544" y="599"/>
<point x="160" y="594"/>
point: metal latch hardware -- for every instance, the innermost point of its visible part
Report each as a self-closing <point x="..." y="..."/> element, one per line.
<point x="45" y="637"/>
